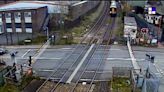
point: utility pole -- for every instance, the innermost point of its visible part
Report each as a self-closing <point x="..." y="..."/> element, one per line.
<point x="162" y="26"/>
<point x="47" y="30"/>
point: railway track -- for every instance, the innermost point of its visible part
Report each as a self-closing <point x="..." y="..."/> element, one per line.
<point x="96" y="27"/>
<point x="103" y="84"/>
<point x="61" y="73"/>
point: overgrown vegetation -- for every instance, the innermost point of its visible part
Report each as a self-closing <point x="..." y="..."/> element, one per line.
<point x="121" y="85"/>
<point x="17" y="88"/>
<point x="37" y="40"/>
<point x="74" y="34"/>
<point x="87" y="22"/>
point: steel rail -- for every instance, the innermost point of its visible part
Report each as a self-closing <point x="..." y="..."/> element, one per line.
<point x="100" y="63"/>
<point x="91" y="41"/>
<point x="69" y="56"/>
<point x="96" y="25"/>
<point x="85" y="68"/>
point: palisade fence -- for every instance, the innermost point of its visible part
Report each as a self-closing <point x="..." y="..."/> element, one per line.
<point x="151" y="84"/>
<point x="125" y="73"/>
<point x="121" y="72"/>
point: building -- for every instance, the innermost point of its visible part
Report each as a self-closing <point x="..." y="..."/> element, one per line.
<point x="158" y="17"/>
<point x="22" y="18"/>
<point x="25" y="19"/>
<point x="130" y="27"/>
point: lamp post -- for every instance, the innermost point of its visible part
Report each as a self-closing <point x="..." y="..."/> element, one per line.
<point x="47" y="32"/>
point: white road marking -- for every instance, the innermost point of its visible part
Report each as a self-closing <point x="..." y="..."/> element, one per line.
<point x="40" y="51"/>
<point x="66" y="48"/>
<point x="46" y="70"/>
<point x="26" y="53"/>
<point x="124" y="59"/>
<point x="79" y="65"/>
<point x="135" y="64"/>
<point x="115" y="49"/>
<point x="42" y="58"/>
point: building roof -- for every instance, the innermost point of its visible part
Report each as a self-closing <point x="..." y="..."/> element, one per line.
<point x="64" y="3"/>
<point x="77" y="3"/>
<point x="53" y="6"/>
<point x="130" y="21"/>
<point x="140" y="3"/>
<point x="20" y="5"/>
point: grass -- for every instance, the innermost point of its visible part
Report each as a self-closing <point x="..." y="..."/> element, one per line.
<point x="87" y="22"/>
<point x="80" y="30"/>
<point x="121" y="85"/>
<point x="37" y="40"/>
<point x="9" y="88"/>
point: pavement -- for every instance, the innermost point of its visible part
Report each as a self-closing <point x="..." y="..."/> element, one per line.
<point x="13" y="38"/>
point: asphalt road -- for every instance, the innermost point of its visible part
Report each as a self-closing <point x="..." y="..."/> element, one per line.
<point x="118" y="56"/>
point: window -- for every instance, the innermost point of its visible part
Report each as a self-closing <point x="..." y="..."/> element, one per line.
<point x="27" y="14"/>
<point x="8" y="15"/>
<point x="17" y="14"/>
<point x="28" y="25"/>
<point x="152" y="18"/>
<point x="8" y="25"/>
<point x="18" y="29"/>
<point x="28" y="30"/>
<point x="9" y="29"/>
<point x="18" y="25"/>
<point x="1" y="29"/>
<point x="0" y="17"/>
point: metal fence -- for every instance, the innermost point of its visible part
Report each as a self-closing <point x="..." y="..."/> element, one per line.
<point x="121" y="71"/>
<point x="151" y="84"/>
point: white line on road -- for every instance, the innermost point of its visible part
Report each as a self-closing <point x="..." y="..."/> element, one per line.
<point x="43" y="58"/>
<point x="66" y="48"/>
<point x="135" y="64"/>
<point x="124" y="59"/>
<point x="79" y="65"/>
<point x="26" y="53"/>
<point x="40" y="51"/>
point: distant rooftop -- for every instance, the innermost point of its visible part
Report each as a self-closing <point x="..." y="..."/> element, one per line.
<point x="130" y="21"/>
<point x="140" y="3"/>
<point x="20" y="5"/>
<point x="55" y="2"/>
<point x="53" y="6"/>
<point x="77" y="3"/>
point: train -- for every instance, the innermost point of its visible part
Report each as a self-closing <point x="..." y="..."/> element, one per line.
<point x="113" y="9"/>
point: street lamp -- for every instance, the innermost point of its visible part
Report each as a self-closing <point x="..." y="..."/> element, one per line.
<point x="47" y="32"/>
